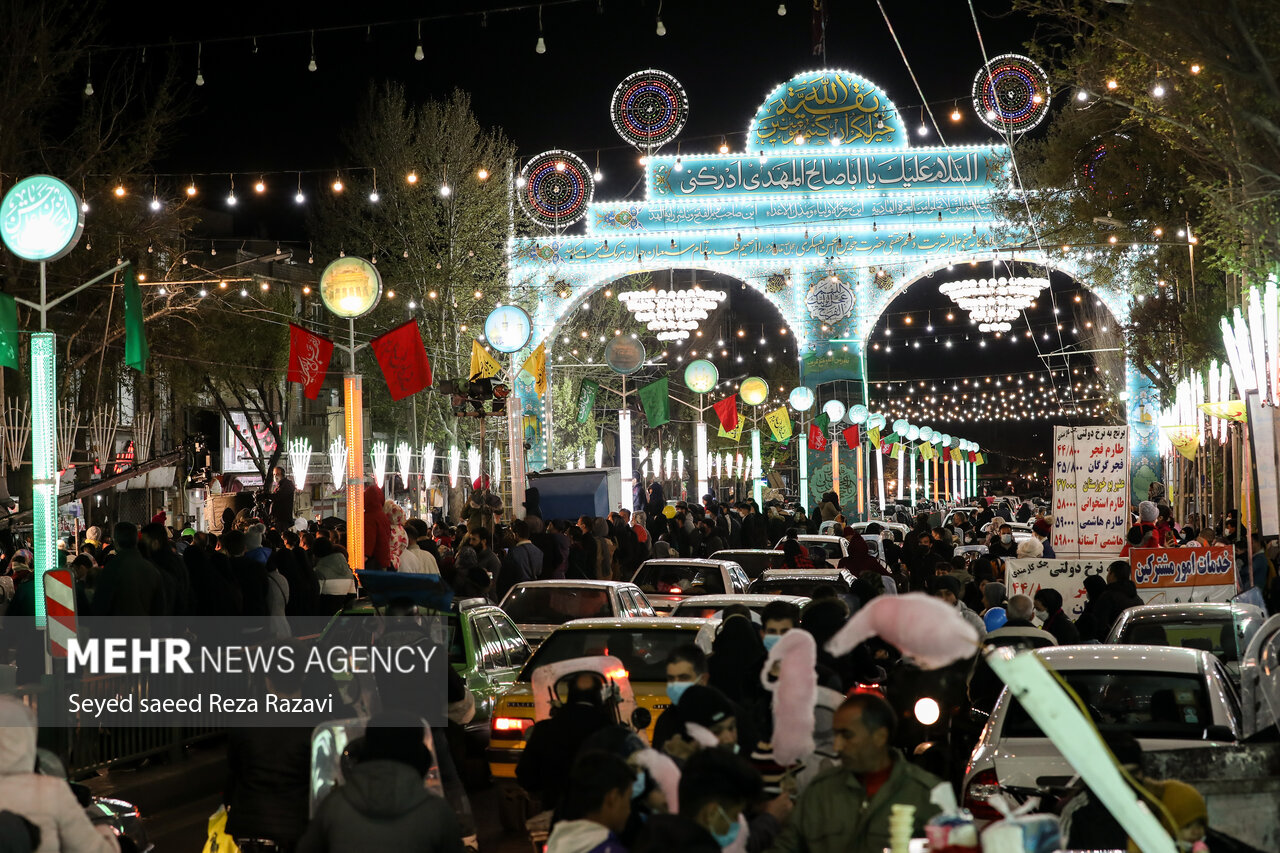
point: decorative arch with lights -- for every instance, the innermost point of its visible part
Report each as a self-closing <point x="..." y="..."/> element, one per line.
<point x="831" y="200"/>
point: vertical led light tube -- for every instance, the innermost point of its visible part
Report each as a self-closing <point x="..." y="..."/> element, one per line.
<point x="924" y="474"/>
<point x="880" y="481"/>
<point x="353" y="412"/>
<point x="912" y="452"/>
<point x="624" y="456"/>
<point x="700" y="457"/>
<point x="757" y="490"/>
<point x="901" y="471"/>
<point x="44" y="444"/>
<point x="835" y="468"/>
<point x="802" y="449"/>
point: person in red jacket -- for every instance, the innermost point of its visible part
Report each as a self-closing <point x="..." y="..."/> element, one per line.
<point x="377" y="530"/>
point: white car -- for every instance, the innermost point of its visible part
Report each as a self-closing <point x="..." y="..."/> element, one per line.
<point x="539" y="607"/>
<point x="668" y="581"/>
<point x="898" y="531"/>
<point x="1167" y="698"/>
<point x="708" y="606"/>
<point x="836" y="547"/>
<point x="1221" y="627"/>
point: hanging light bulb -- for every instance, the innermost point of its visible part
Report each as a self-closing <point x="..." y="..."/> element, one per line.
<point x="199" y="54"/>
<point x="337" y="185"/>
<point x="661" y="29"/>
<point x="782" y="10"/>
<point x="541" y="47"/>
<point x="483" y="174"/>
<point x="155" y="203"/>
<point x="1158" y="90"/>
<point x="231" y="196"/>
<point x="598" y="176"/>
<point x="418" y="53"/>
<point x="260" y="186"/>
<point x="119" y="190"/>
<point x="88" y="80"/>
<point x="445" y="190"/>
<point x="411" y="178"/>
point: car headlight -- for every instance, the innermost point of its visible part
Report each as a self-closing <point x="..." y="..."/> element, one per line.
<point x="927" y="711"/>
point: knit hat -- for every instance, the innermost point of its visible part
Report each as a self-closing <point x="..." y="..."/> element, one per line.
<point x="705" y="706"/>
<point x="1030" y="549"/>
<point x="1148" y="512"/>
<point x="93" y="534"/>
<point x="397" y="737"/>
<point x="1042" y="527"/>
<point x="1184" y="803"/>
<point x="159" y="518"/>
<point x="253" y="537"/>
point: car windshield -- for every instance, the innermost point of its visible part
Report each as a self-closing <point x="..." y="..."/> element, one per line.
<point x="754" y="563"/>
<point x="679" y="579"/>
<point x="1141" y="704"/>
<point x="643" y="651"/>
<point x="555" y="605"/>
<point x="1216" y="636"/>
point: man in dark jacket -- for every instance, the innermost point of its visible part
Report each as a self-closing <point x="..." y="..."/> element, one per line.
<point x="1018" y="632"/>
<point x="153" y="542"/>
<point x="129" y="585"/>
<point x="553" y="743"/>
<point x="755" y="532"/>
<point x="523" y="561"/>
<point x="715" y="787"/>
<point x="711" y="541"/>
<point x="282" y="494"/>
<point x="1119" y="596"/>
<point x="382" y="804"/>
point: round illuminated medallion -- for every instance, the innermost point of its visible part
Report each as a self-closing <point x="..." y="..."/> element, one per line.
<point x="350" y="287"/>
<point x="507" y="328"/>
<point x="701" y="376"/>
<point x="754" y="390"/>
<point x="801" y="398"/>
<point x="624" y="354"/>
<point x="40" y="218"/>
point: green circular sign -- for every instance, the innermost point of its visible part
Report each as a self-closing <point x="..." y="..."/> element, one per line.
<point x="624" y="354"/>
<point x="40" y="218"/>
<point x="701" y="376"/>
<point x="350" y="287"/>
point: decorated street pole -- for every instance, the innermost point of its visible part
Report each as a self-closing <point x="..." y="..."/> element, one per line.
<point x="350" y="288"/>
<point x="700" y="377"/>
<point x="41" y="220"/>
<point x="834" y="410"/>
<point x="801" y="399"/>
<point x="624" y="355"/>
<point x="755" y="391"/>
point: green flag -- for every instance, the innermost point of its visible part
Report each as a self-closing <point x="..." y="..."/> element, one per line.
<point x="136" y="350"/>
<point x="587" y="399"/>
<point x="8" y="331"/>
<point x="656" y="400"/>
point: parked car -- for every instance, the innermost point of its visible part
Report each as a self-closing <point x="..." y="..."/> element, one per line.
<point x="1221" y="628"/>
<point x="802" y="582"/>
<point x="835" y="547"/>
<point x="896" y="530"/>
<point x="707" y="606"/>
<point x="1167" y="698"/>
<point x="753" y="560"/>
<point x="642" y="644"/>
<point x="539" y="607"/>
<point x="667" y="582"/>
<point x="485" y="646"/>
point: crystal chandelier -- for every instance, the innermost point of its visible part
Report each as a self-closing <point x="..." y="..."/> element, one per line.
<point x="673" y="314"/>
<point x="994" y="302"/>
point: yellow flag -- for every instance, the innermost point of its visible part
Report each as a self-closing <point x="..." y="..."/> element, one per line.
<point x="1185" y="439"/>
<point x="536" y="365"/>
<point x="1232" y="410"/>
<point x="779" y="423"/>
<point x="955" y="454"/>
<point x="926" y="451"/>
<point x="736" y="435"/>
<point x="873" y="435"/>
<point x="483" y="365"/>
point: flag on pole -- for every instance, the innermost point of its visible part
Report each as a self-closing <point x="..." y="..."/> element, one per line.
<point x="309" y="356"/>
<point x="982" y="459"/>
<point x="973" y="457"/>
<point x="851" y="437"/>
<point x="818" y="433"/>
<point x="873" y="435"/>
<point x="1184" y="438"/>
<point x="136" y="350"/>
<point x="955" y="454"/>
<point x="926" y="451"/>
<point x="587" y="399"/>
<point x="1232" y="410"/>
<point x="403" y="360"/>
<point x="727" y="411"/>
<point x="896" y="452"/>
<point x="779" y="424"/>
<point x="483" y="365"/>
<point x="736" y="433"/>
<point x="8" y="331"/>
<point x="656" y="400"/>
<point x="536" y="366"/>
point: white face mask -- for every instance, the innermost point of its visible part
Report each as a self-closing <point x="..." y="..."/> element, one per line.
<point x="1006" y="538"/>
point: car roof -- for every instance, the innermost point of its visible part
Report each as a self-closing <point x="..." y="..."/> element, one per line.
<point x="747" y="598"/>
<point x="775" y="574"/>
<point x="746" y="551"/>
<point x="1128" y="657"/>
<point x="685" y="561"/>
<point x="688" y="623"/>
<point x="577" y="583"/>
<point x="1191" y="610"/>
<point x="819" y="537"/>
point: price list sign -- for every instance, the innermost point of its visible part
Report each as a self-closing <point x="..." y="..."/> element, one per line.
<point x="1090" y="490"/>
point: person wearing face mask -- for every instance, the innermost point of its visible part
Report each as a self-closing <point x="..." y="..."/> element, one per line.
<point x="847" y="809"/>
<point x="704" y="718"/>
<point x="1002" y="544"/>
<point x="778" y="617"/>
<point x="1053" y="619"/>
<point x="686" y="666"/>
<point x="714" y="789"/>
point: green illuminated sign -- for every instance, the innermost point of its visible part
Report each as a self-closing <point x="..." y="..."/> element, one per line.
<point x="40" y="218"/>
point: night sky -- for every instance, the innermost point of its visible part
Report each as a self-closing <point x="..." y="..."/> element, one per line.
<point x="264" y="111"/>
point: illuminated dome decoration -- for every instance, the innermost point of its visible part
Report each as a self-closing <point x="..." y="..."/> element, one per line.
<point x="649" y="108"/>
<point x="825" y="108"/>
<point x="555" y="188"/>
<point x="993" y="302"/>
<point x="1011" y="94"/>
<point x="673" y="314"/>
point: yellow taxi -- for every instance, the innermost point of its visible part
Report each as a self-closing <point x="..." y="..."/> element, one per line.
<point x="642" y="644"/>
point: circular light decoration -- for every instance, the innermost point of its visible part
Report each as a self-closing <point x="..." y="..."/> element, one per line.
<point x="926" y="435"/>
<point x="900" y="426"/>
<point x="858" y="414"/>
<point x="649" y="108"/>
<point x="624" y="354"/>
<point x="507" y="328"/>
<point x="754" y="390"/>
<point x="1011" y="94"/>
<point x="875" y="420"/>
<point x="40" y="218"/>
<point x="701" y="376"/>
<point x="555" y="188"/>
<point x="834" y="410"/>
<point x="913" y="432"/>
<point x="350" y="287"/>
<point x="801" y="398"/>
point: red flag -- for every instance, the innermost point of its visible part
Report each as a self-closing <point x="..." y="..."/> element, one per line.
<point x="727" y="411"/>
<point x="309" y="356"/>
<point x="403" y="360"/>
<point x="817" y="439"/>
<point x="851" y="437"/>
<point x="973" y="457"/>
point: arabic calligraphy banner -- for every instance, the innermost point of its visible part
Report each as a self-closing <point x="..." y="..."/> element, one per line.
<point x="1165" y="568"/>
<point x="1027" y="577"/>
<point x="1090" y="490"/>
<point x="724" y="246"/>
<point x="916" y="169"/>
<point x="780" y="211"/>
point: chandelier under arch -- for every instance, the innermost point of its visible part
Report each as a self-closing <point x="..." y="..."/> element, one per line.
<point x="993" y="303"/>
<point x="673" y="314"/>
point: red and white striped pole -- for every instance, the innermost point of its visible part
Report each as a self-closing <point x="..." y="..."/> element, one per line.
<point x="60" y="605"/>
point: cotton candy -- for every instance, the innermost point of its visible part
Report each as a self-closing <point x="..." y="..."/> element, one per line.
<point x="920" y="626"/>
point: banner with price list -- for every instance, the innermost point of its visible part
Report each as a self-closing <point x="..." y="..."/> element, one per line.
<point x="1090" y="490"/>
